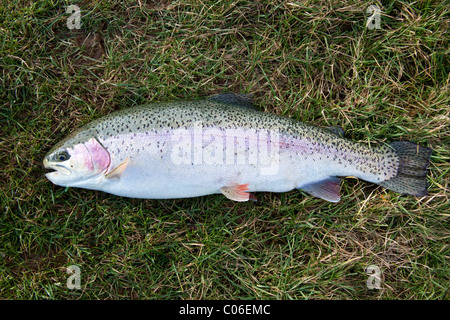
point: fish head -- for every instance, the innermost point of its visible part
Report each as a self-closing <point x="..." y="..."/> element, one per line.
<point x="77" y="164"/>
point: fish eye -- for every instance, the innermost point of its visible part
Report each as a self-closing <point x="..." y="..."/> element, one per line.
<point x="62" y="156"/>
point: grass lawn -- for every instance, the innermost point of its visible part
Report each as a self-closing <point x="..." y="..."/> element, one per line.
<point x="314" y="61"/>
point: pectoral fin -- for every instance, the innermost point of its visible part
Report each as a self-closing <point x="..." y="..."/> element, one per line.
<point x="328" y="189"/>
<point x="117" y="172"/>
<point x="238" y="192"/>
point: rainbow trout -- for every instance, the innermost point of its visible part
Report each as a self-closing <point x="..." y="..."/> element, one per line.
<point x="223" y="145"/>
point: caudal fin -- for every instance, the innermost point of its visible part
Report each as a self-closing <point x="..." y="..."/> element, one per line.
<point x="411" y="175"/>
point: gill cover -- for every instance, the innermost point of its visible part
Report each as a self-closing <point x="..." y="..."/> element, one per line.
<point x="82" y="165"/>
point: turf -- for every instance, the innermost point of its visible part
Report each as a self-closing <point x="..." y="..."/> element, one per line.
<point x="314" y="61"/>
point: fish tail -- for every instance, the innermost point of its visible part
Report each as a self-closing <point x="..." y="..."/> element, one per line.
<point x="411" y="175"/>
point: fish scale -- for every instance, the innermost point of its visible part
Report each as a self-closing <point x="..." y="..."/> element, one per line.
<point x="161" y="150"/>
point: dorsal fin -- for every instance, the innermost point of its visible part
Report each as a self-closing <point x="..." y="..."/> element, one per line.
<point x="337" y="131"/>
<point x="232" y="99"/>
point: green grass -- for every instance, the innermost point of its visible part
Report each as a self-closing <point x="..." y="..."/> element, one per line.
<point x="310" y="60"/>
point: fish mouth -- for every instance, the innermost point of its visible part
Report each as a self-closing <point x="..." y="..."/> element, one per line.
<point x="57" y="169"/>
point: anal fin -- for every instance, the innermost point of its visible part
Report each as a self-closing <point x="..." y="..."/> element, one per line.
<point x="238" y="192"/>
<point x="327" y="189"/>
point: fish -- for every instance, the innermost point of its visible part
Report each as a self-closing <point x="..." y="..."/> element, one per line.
<point x="223" y="145"/>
